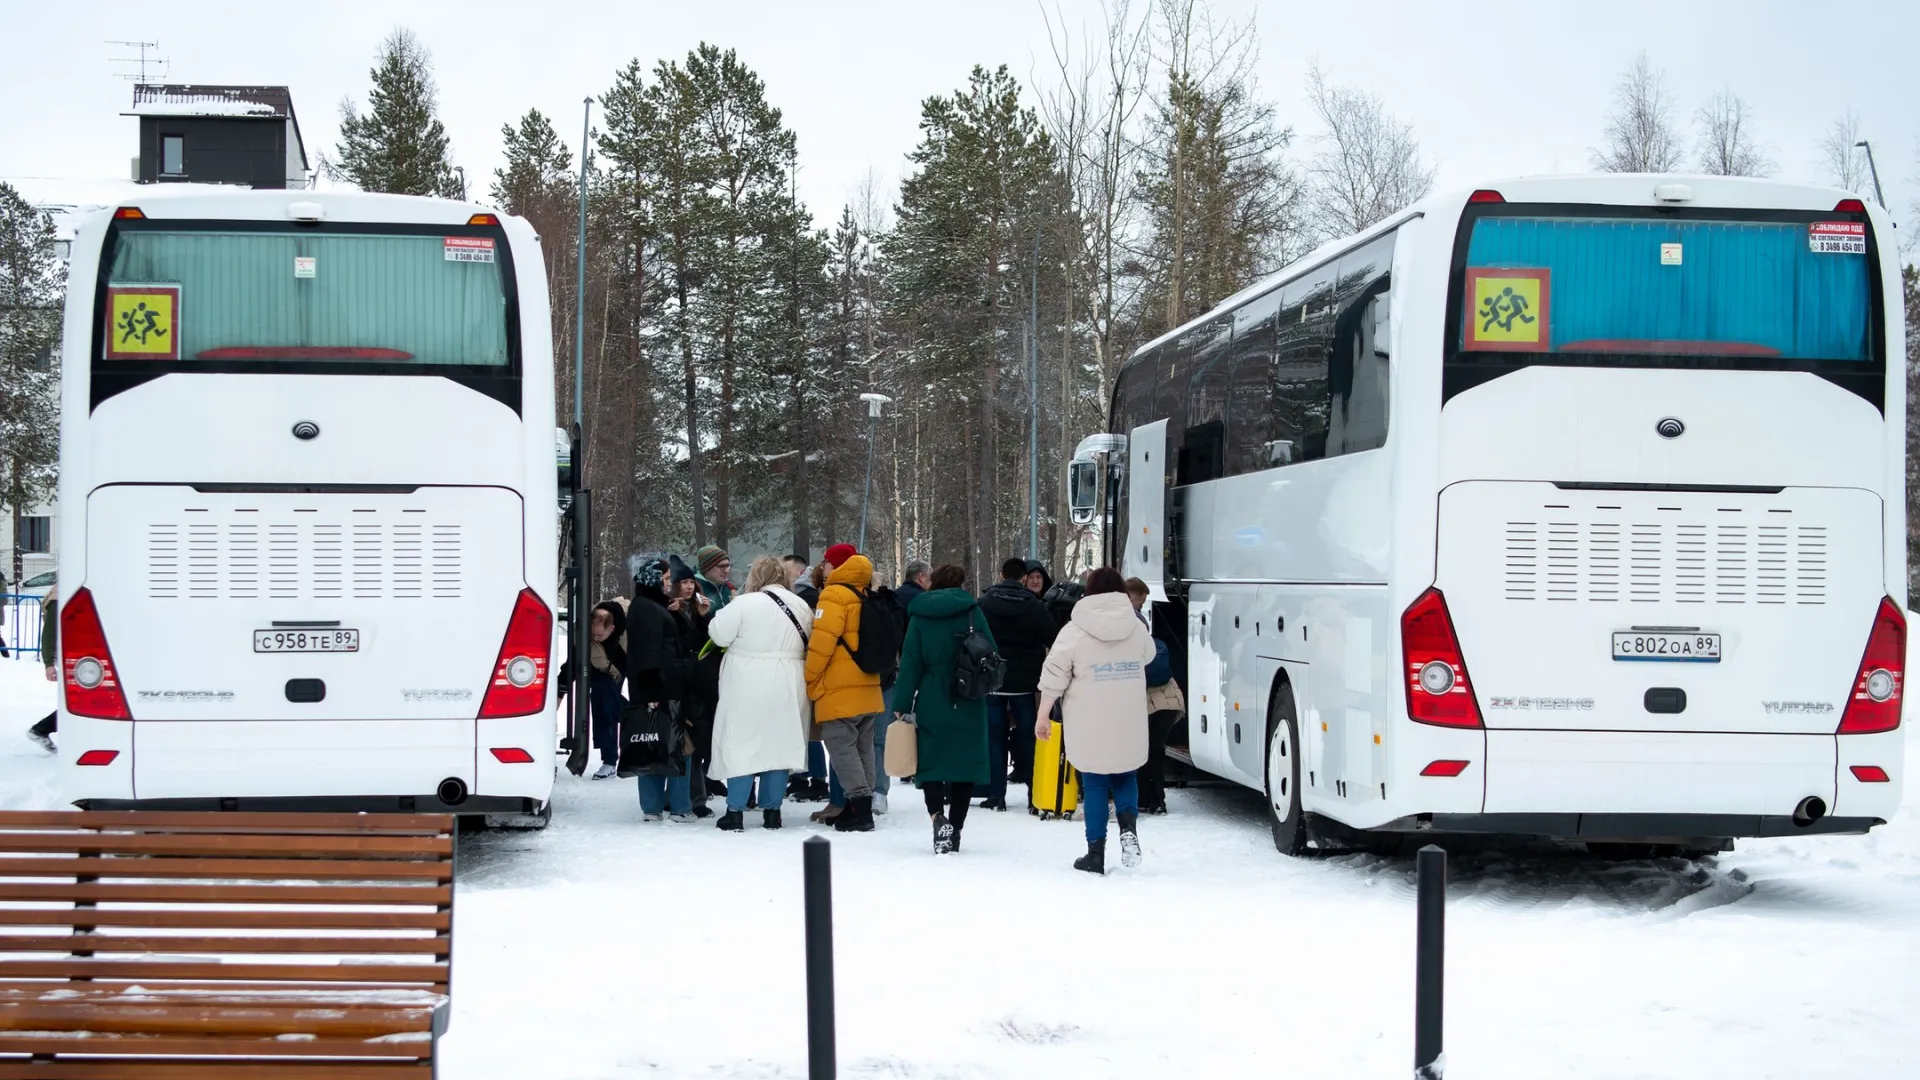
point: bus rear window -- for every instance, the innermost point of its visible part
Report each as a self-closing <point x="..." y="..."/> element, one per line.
<point x="1665" y="291"/>
<point x="301" y="296"/>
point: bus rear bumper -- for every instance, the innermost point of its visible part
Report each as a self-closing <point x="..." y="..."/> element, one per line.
<point x="429" y="803"/>
<point x="1682" y="829"/>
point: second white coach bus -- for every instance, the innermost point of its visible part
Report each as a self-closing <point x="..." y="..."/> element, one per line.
<point x="1566" y="508"/>
<point x="307" y="498"/>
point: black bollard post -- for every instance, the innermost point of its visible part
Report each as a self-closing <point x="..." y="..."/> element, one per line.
<point x="816" y="858"/>
<point x="1430" y="964"/>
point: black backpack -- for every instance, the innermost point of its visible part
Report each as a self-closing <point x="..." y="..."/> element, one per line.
<point x="882" y="631"/>
<point x="978" y="670"/>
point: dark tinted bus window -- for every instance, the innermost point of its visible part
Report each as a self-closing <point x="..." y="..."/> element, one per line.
<point x="1203" y="449"/>
<point x="1135" y="395"/>
<point x="1250" y="386"/>
<point x="1304" y="341"/>
<point x="1357" y="374"/>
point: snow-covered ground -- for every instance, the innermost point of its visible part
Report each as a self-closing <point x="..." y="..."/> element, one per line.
<point x="608" y="948"/>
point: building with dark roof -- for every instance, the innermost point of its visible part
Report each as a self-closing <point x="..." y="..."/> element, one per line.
<point x="246" y="135"/>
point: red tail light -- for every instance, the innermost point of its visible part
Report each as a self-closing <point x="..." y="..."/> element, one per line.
<point x="92" y="685"/>
<point x="97" y="757"/>
<point x="1486" y="195"/>
<point x="1850" y="206"/>
<point x="1436" y="673"/>
<point x="519" y="685"/>
<point x="512" y="755"/>
<point x="1444" y="768"/>
<point x="1875" y="703"/>
<point x="1868" y="774"/>
<point x="129" y="213"/>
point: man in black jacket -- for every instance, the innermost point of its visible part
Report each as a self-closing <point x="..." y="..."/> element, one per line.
<point x="1024" y="631"/>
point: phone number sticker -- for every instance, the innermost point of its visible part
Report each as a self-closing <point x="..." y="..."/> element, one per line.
<point x="1837" y="238"/>
<point x="469" y="249"/>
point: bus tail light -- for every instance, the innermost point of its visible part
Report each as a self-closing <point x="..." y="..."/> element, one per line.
<point x="512" y="755"/>
<point x="1444" y="768"/>
<point x="1436" y="672"/>
<point x="1868" y="774"/>
<point x="483" y="219"/>
<point x="1850" y="206"/>
<point x="1875" y="702"/>
<point x="129" y="213"/>
<point x="1486" y="195"/>
<point x="92" y="686"/>
<point x="97" y="757"/>
<point x="519" y="684"/>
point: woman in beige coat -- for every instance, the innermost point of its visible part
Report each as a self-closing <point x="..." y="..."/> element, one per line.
<point x="1097" y="670"/>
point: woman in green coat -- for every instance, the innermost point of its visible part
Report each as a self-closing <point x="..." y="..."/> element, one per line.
<point x="953" y="734"/>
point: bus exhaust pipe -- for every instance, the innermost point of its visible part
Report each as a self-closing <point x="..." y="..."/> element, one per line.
<point x="1811" y="809"/>
<point x="453" y="792"/>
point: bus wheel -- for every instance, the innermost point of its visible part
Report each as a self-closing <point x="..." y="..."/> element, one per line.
<point x="1283" y="775"/>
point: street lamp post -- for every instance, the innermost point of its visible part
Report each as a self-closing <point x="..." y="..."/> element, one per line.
<point x="1874" y="171"/>
<point x="874" y="401"/>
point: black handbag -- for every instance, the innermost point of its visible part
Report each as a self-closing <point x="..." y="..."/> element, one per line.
<point x="651" y="742"/>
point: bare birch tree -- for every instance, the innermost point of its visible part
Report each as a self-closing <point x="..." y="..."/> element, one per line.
<point x="1367" y="166"/>
<point x="1725" y="126"/>
<point x="1840" y="154"/>
<point x="1640" y="136"/>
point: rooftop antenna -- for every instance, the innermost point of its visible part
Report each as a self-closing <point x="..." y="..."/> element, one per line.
<point x="142" y="61"/>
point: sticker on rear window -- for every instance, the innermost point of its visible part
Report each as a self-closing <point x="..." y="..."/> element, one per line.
<point x="472" y="249"/>
<point x="143" y="322"/>
<point x="1837" y="238"/>
<point x="1507" y="309"/>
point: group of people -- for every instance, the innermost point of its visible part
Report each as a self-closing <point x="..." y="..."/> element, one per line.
<point x="785" y="688"/>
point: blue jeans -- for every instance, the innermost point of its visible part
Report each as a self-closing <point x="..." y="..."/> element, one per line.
<point x="1018" y="713"/>
<point x="773" y="790"/>
<point x="1094" y="791"/>
<point x="604" y="699"/>
<point x="663" y="793"/>
<point x="816" y="760"/>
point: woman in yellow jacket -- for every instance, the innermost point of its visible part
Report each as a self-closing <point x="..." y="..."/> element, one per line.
<point x="847" y="704"/>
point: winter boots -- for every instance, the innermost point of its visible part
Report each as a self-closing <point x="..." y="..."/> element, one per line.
<point x="858" y="816"/>
<point x="731" y="822"/>
<point x="942" y="834"/>
<point x="769" y="819"/>
<point x="1095" y="860"/>
<point x="1129" y="840"/>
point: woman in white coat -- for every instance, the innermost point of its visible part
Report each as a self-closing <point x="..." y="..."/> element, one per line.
<point x="760" y="726"/>
<point x="1097" y="670"/>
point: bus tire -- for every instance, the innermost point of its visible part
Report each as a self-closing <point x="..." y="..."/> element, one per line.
<point x="1283" y="774"/>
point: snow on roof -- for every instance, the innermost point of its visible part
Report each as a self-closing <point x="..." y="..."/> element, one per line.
<point x="189" y="100"/>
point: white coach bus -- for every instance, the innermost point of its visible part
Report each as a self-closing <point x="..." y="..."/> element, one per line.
<point x="307" y="494"/>
<point x="1567" y="507"/>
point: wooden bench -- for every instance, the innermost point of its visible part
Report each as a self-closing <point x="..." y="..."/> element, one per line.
<point x="223" y="946"/>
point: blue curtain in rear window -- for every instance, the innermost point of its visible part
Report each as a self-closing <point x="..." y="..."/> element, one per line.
<point x="1753" y="283"/>
<point x="238" y="290"/>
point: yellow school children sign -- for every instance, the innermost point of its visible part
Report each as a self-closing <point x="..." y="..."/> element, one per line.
<point x="1507" y="310"/>
<point x="143" y="322"/>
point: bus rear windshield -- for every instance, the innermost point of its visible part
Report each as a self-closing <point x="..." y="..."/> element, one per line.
<point x="222" y="296"/>
<point x="1726" y="292"/>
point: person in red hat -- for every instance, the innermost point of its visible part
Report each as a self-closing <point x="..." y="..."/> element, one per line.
<point x="847" y="700"/>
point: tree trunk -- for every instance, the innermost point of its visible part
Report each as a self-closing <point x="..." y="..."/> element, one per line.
<point x="693" y="414"/>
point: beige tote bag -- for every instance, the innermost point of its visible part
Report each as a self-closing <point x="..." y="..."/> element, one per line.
<point x="903" y="749"/>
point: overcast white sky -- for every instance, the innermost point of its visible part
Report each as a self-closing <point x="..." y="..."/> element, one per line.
<point x="1494" y="87"/>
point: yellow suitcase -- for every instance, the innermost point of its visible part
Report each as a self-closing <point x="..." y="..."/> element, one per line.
<point x="1056" y="783"/>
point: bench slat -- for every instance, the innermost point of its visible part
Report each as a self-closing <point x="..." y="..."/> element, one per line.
<point x="207" y="1046"/>
<point x="162" y="1069"/>
<point x="228" y="920"/>
<point x="398" y="847"/>
<point x="228" y="869"/>
<point x="85" y="967"/>
<point x="123" y="943"/>
<point x="195" y="1019"/>
<point x="111" y="892"/>
<point x="227" y="821"/>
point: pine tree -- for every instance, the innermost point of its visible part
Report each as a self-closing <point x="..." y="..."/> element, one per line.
<point x="31" y="293"/>
<point x="399" y="146"/>
<point x="538" y="174"/>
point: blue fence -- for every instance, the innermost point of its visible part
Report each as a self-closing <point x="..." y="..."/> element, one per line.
<point x="20" y="624"/>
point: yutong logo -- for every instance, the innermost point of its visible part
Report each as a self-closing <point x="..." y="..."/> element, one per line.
<point x="1787" y="708"/>
<point x="186" y="695"/>
<point x="437" y="695"/>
